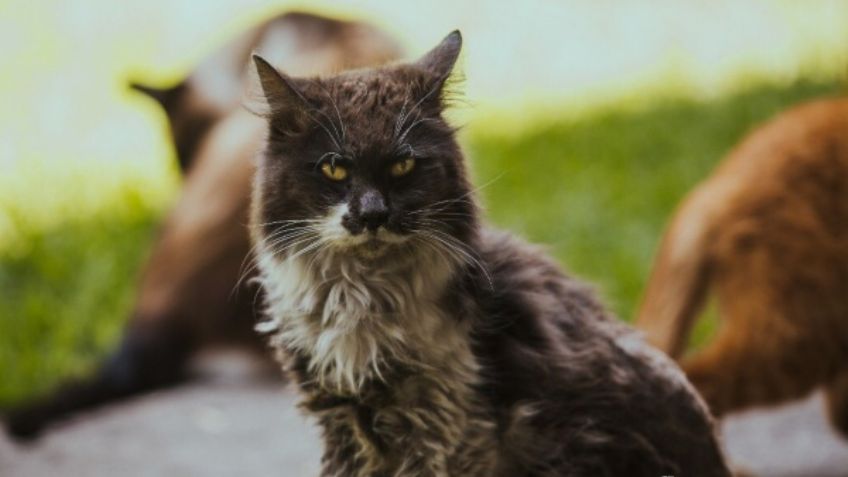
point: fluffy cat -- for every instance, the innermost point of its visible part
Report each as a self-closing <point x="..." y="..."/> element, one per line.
<point x="424" y="342"/>
<point x="768" y="233"/>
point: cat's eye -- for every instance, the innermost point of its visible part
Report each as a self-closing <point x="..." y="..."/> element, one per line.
<point x="402" y="167"/>
<point x="334" y="172"/>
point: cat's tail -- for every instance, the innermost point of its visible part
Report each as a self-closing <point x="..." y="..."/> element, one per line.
<point x="680" y="276"/>
<point x="146" y="360"/>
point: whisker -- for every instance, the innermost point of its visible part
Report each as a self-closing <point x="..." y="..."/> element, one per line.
<point x="290" y="221"/>
<point x="288" y="246"/>
<point x="248" y="259"/>
<point x="326" y="130"/>
<point x="289" y="237"/>
<point x="271" y="242"/>
<point x="401" y="119"/>
<point x="435" y="89"/>
<point x="308" y="248"/>
<point x="336" y="131"/>
<point x="409" y="129"/>
<point x="338" y="114"/>
<point x="471" y="257"/>
<point x="469" y="193"/>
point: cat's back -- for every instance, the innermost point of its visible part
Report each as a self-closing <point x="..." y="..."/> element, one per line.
<point x="790" y="174"/>
<point x="810" y="135"/>
<point x="579" y="389"/>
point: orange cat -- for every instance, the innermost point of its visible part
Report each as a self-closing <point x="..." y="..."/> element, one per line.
<point x="767" y="233"/>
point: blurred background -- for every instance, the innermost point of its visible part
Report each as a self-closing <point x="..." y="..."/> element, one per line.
<point x="585" y="120"/>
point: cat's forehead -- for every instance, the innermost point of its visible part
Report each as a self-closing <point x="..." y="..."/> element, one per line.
<point x="373" y="107"/>
<point x="372" y="95"/>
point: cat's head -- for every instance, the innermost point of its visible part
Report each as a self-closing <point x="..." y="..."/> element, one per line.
<point x="362" y="163"/>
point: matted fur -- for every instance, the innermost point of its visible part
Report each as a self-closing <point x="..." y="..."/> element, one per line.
<point x="768" y="234"/>
<point x="425" y="343"/>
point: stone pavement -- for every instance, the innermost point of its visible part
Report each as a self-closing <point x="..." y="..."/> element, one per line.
<point x="249" y="427"/>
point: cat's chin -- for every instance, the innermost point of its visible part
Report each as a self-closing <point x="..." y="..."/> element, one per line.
<point x="377" y="247"/>
<point x="372" y="248"/>
<point x="372" y="245"/>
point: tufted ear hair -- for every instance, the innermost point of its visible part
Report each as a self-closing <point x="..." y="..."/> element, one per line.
<point x="283" y="98"/>
<point x="440" y="60"/>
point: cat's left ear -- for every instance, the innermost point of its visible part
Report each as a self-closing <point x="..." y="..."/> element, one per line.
<point x="440" y="61"/>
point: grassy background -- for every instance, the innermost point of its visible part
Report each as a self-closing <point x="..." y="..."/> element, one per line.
<point x="596" y="188"/>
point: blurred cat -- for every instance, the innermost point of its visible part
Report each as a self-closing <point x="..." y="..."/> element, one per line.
<point x="215" y="88"/>
<point x="768" y="234"/>
<point x="190" y="296"/>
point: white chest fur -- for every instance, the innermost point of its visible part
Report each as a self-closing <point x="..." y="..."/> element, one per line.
<point x="351" y="319"/>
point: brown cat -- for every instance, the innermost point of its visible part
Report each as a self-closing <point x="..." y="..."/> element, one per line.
<point x="303" y="41"/>
<point x="190" y="296"/>
<point x="768" y="234"/>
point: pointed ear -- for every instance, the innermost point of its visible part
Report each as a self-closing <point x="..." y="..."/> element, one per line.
<point x="440" y="60"/>
<point x="281" y="94"/>
<point x="167" y="97"/>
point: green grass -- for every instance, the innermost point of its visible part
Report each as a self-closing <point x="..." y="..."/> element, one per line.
<point x="597" y="190"/>
<point x="65" y="293"/>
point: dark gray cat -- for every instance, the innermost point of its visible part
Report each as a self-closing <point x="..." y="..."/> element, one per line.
<point x="424" y="342"/>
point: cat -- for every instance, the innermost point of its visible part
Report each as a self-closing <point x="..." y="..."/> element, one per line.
<point x="302" y="41"/>
<point x="190" y="296"/>
<point x="768" y="233"/>
<point x="424" y="342"/>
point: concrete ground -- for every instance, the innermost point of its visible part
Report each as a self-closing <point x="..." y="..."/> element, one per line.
<point x="250" y="427"/>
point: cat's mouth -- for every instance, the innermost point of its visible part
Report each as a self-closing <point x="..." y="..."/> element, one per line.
<point x="374" y="244"/>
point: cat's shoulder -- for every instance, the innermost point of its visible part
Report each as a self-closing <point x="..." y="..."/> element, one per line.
<point x="518" y="268"/>
<point x="508" y="254"/>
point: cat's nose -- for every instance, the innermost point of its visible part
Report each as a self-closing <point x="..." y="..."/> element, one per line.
<point x="372" y="210"/>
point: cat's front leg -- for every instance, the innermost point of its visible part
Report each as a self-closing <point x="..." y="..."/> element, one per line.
<point x="348" y="451"/>
<point x="392" y="441"/>
<point x="415" y="443"/>
<point x="427" y="428"/>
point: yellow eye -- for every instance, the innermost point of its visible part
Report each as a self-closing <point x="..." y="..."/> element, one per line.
<point x="401" y="168"/>
<point x="334" y="173"/>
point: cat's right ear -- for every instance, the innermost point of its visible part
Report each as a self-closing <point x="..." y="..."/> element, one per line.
<point x="283" y="101"/>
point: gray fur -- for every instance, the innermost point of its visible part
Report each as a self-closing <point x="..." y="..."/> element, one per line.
<point x="435" y="346"/>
